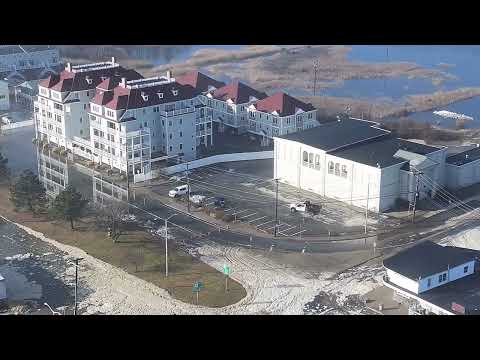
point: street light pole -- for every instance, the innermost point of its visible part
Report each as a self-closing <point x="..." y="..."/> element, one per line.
<point x="166" y="243"/>
<point x="188" y="189"/>
<point x="76" y="284"/>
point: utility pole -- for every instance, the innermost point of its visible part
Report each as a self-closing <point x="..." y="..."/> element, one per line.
<point x="188" y="189"/>
<point x="417" y="183"/>
<point x="366" y="208"/>
<point x="76" y="284"/>
<point x="276" y="209"/>
<point x="166" y="243"/>
<point x="315" y="69"/>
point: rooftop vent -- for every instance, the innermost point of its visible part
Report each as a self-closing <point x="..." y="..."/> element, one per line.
<point x="175" y="92"/>
<point x="160" y="95"/>
<point x="466" y="156"/>
<point x="378" y="165"/>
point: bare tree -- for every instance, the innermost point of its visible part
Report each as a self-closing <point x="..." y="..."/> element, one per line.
<point x="110" y="215"/>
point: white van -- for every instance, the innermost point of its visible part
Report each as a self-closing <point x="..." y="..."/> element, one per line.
<point x="178" y="191"/>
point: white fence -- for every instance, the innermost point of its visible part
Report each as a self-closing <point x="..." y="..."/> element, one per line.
<point x="260" y="155"/>
<point x="17" y="125"/>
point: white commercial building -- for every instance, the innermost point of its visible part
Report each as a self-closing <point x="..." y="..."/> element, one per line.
<point x="463" y="169"/>
<point x="136" y="123"/>
<point x="61" y="111"/>
<point x="357" y="163"/>
<point x="4" y="96"/>
<point x="428" y="265"/>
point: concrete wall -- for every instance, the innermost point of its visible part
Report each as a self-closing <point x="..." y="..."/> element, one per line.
<point x="218" y="159"/>
<point x="402" y="281"/>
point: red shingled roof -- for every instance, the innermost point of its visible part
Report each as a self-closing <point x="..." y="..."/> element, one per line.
<point x="199" y="81"/>
<point x="77" y="81"/>
<point x="238" y="92"/>
<point x="283" y="104"/>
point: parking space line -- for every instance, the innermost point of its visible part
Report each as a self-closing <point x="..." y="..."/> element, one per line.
<point x="239" y="212"/>
<point x="290" y="227"/>
<point x="265" y="223"/>
<point x="297" y="233"/>
<point x="244" y="217"/>
<point x="211" y="197"/>
<point x="210" y="203"/>
<point x="263" y="217"/>
<point x="227" y="210"/>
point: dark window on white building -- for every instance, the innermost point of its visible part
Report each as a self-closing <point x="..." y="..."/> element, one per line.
<point x="465" y="269"/>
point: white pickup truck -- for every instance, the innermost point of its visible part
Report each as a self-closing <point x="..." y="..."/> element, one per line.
<point x="305" y="206"/>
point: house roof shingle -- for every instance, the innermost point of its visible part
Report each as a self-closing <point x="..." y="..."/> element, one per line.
<point x="199" y="81"/>
<point x="238" y="92"/>
<point x="426" y="259"/>
<point x="283" y="104"/>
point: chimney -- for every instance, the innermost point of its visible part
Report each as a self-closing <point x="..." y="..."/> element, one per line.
<point x="123" y="83"/>
<point x="113" y="60"/>
<point x="169" y="75"/>
<point x="69" y="67"/>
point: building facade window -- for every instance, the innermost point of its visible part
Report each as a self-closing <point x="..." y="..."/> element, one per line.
<point x="330" y="167"/>
<point x="305" y="158"/>
<point x="181" y="146"/>
<point x="429" y="282"/>
<point x="344" y="171"/>
<point x="465" y="269"/>
<point x="310" y="160"/>
<point x="317" y="162"/>
<point x="337" y="169"/>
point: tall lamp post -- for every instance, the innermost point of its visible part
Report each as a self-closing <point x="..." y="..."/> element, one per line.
<point x="166" y="243"/>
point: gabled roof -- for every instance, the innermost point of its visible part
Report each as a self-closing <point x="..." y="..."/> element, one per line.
<point x="124" y="98"/>
<point x="426" y="259"/>
<point x="238" y="92"/>
<point x="283" y="104"/>
<point x="77" y="81"/>
<point x="199" y="81"/>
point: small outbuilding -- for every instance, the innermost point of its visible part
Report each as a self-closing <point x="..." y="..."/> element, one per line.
<point x="428" y="265"/>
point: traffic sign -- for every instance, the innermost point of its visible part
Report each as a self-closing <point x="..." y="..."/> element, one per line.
<point x="226" y="269"/>
<point x="197" y="286"/>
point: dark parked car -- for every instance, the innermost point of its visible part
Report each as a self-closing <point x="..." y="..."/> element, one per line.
<point x="219" y="202"/>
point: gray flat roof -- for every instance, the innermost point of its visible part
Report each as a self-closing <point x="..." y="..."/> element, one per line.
<point x="381" y="151"/>
<point x="426" y="259"/>
<point x="336" y="134"/>
<point x="464" y="157"/>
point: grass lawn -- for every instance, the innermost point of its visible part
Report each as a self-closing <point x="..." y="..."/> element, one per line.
<point x="138" y="253"/>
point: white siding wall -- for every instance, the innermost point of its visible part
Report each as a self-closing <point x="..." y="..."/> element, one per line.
<point x="454" y="274"/>
<point x="289" y="168"/>
<point x="3" y="288"/>
<point x="402" y="281"/>
<point x="462" y="176"/>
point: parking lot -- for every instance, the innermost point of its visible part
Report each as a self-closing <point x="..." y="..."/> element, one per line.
<point x="250" y="192"/>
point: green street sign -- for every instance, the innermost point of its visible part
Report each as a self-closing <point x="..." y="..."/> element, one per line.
<point x="226" y="269"/>
<point x="197" y="286"/>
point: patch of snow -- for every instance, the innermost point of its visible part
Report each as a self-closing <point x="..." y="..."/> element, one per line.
<point x="466" y="239"/>
<point x="19" y="257"/>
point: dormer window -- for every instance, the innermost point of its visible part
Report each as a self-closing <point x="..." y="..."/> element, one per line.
<point x="175" y="92"/>
<point x="160" y="95"/>
<point x="89" y="80"/>
<point x="144" y="96"/>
